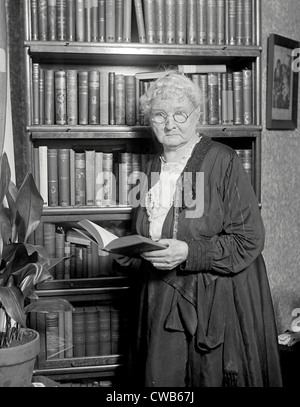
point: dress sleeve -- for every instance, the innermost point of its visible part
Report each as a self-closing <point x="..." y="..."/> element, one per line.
<point x="241" y="239"/>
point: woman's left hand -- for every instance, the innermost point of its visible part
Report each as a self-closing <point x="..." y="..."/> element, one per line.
<point x="167" y="259"/>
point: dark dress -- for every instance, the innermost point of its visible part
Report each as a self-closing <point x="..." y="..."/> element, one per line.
<point x="210" y="321"/>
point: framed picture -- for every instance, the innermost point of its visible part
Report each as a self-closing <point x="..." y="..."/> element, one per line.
<point x="282" y="83"/>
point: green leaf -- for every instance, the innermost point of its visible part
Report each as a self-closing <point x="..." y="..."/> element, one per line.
<point x="29" y="204"/>
<point x="13" y="302"/>
<point x="52" y="305"/>
<point x="5" y="175"/>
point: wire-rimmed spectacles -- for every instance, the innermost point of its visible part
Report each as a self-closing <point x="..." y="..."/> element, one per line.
<point x="179" y="116"/>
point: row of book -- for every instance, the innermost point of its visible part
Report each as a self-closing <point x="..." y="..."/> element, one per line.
<point x="90" y="178"/>
<point x="83" y="258"/>
<point x="71" y="97"/>
<point x="211" y="22"/>
<point x="81" y="332"/>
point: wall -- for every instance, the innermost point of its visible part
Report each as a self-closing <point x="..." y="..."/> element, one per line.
<point x="281" y="179"/>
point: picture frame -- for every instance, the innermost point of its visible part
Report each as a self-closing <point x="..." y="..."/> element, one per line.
<point x="282" y="83"/>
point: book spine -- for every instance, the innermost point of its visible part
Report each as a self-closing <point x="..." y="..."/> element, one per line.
<point x="248" y="22"/>
<point x="64" y="176"/>
<point x="79" y="260"/>
<point x="78" y="326"/>
<point x="127" y="20"/>
<point x="115" y="330"/>
<point x="67" y="266"/>
<point x="68" y="334"/>
<point x="140" y="20"/>
<point x="220" y="22"/>
<point x="98" y="178"/>
<point x="35" y="93"/>
<point x="247" y="162"/>
<point x="104" y="330"/>
<point x="83" y="97"/>
<point x="36" y="159"/>
<point x="130" y="101"/>
<point x="73" y="261"/>
<point x="224" y="99"/>
<point x="213" y="104"/>
<point x="34" y="20"/>
<point x="88" y="20"/>
<point x="59" y="253"/>
<point x="220" y="97"/>
<point x="42" y="20"/>
<point x="94" y="21"/>
<point x="52" y="177"/>
<point x="211" y="22"/>
<point x="41" y="96"/>
<point x="239" y="22"/>
<point x="149" y="14"/>
<point x="84" y="263"/>
<point x="120" y="99"/>
<point x="104" y="97"/>
<point x="253" y="14"/>
<point x="72" y="97"/>
<point x="52" y="335"/>
<point x="247" y="96"/>
<point x="41" y="328"/>
<point x="80" y="26"/>
<point x="226" y="22"/>
<point x="237" y="98"/>
<point x="232" y="22"/>
<point x="49" y="96"/>
<point x="201" y="22"/>
<point x="101" y="23"/>
<point x="70" y="21"/>
<point x="72" y="177"/>
<point x="91" y="331"/>
<point x="95" y="260"/>
<point x="108" y="184"/>
<point x="90" y="176"/>
<point x="160" y="21"/>
<point x="110" y="16"/>
<point x="119" y="20"/>
<point x="191" y="22"/>
<point x="111" y="84"/>
<point x="170" y="24"/>
<point x="61" y="20"/>
<point x="49" y="238"/>
<point x="180" y="12"/>
<point x="61" y="334"/>
<point x="80" y="179"/>
<point x="125" y="169"/>
<point x="52" y="20"/>
<point x="60" y="97"/>
<point x="89" y="262"/>
<point x="204" y="93"/>
<point x="94" y="97"/>
<point x="43" y="167"/>
<point x="230" y="97"/>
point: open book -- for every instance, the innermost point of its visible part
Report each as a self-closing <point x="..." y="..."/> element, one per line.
<point x="131" y="245"/>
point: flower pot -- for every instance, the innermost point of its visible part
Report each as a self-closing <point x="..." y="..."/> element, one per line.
<point x="17" y="361"/>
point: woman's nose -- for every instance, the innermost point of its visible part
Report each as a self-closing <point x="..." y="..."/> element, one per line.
<point x="170" y="122"/>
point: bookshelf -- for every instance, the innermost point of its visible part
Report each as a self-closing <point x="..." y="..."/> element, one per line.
<point x="134" y="53"/>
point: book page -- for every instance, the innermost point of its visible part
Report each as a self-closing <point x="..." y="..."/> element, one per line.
<point x="102" y="236"/>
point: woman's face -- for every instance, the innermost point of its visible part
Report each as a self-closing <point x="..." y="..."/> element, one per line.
<point x="172" y="134"/>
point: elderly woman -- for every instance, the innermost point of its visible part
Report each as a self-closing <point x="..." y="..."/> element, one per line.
<point x="203" y="305"/>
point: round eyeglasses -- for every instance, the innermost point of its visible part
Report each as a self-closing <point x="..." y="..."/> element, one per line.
<point x="178" y="117"/>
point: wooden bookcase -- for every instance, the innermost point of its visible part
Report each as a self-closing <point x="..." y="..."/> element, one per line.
<point x="128" y="59"/>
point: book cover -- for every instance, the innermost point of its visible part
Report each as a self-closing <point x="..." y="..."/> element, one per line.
<point x="127" y="20"/>
<point x="119" y="20"/>
<point x="61" y="20"/>
<point x="72" y="97"/>
<point x="170" y="22"/>
<point x="110" y="17"/>
<point x="94" y="21"/>
<point x="180" y="24"/>
<point x="94" y="97"/>
<point x="201" y="22"/>
<point x="52" y="177"/>
<point x="104" y="327"/>
<point x="64" y="176"/>
<point x="52" y="20"/>
<point x="43" y="20"/>
<point x="238" y="97"/>
<point x="128" y="245"/>
<point x="101" y="22"/>
<point x="78" y="325"/>
<point x="60" y="97"/>
<point x="49" y="96"/>
<point x="191" y="16"/>
<point x="138" y="6"/>
<point x="34" y="20"/>
<point x="83" y="97"/>
<point x="211" y="22"/>
<point x="150" y="23"/>
<point x="80" y="20"/>
<point x="160" y="21"/>
<point x="70" y="21"/>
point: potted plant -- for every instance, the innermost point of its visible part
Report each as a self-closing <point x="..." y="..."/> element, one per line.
<point x="22" y="266"/>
